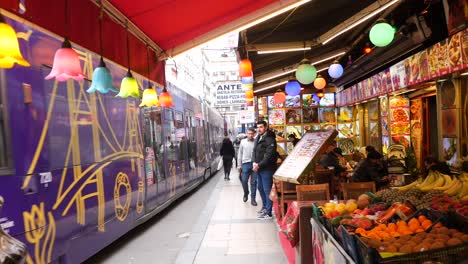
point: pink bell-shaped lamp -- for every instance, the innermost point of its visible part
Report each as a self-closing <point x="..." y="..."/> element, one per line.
<point x="66" y="64"/>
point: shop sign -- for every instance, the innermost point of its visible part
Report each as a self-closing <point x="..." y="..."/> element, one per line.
<point x="246" y="116"/>
<point x="229" y="94"/>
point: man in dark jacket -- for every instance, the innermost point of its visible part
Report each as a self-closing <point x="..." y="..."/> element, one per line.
<point x="264" y="163"/>
<point x="371" y="169"/>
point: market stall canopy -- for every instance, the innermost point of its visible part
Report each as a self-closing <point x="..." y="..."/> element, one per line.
<point x="327" y="30"/>
<point x="179" y="25"/>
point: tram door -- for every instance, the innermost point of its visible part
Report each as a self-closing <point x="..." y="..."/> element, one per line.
<point x="153" y="151"/>
<point x="191" y="134"/>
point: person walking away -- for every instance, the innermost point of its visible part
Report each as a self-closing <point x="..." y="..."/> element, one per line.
<point x="264" y="164"/>
<point x="245" y="159"/>
<point x="236" y="143"/>
<point x="228" y="153"/>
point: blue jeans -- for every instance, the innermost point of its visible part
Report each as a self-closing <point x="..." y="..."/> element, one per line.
<point x="265" y="182"/>
<point x="246" y="172"/>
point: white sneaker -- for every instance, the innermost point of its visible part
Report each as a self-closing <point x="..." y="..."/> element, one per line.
<point x="261" y="212"/>
<point x="265" y="217"/>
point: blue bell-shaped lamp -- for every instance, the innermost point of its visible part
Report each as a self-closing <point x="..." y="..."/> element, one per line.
<point x="102" y="80"/>
<point x="129" y="87"/>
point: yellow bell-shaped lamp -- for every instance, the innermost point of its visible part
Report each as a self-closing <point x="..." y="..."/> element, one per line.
<point x="129" y="87"/>
<point x="9" y="47"/>
<point x="150" y="98"/>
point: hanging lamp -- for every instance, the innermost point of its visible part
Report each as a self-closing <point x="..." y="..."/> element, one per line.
<point x="279" y="97"/>
<point x="102" y="78"/>
<point x="381" y="34"/>
<point x="66" y="61"/>
<point x="320" y="82"/>
<point x="165" y="98"/>
<point x="320" y="95"/>
<point x="292" y="88"/>
<point x="150" y="98"/>
<point x="306" y="73"/>
<point x="335" y="70"/>
<point x="129" y="86"/>
<point x="9" y="49"/>
<point x="245" y="68"/>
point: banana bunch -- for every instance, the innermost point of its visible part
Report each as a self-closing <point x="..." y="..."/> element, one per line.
<point x="462" y="193"/>
<point x="441" y="182"/>
<point x="454" y="187"/>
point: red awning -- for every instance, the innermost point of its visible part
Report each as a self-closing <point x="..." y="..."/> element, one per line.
<point x="178" y="25"/>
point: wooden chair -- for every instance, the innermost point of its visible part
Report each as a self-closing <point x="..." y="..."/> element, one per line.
<point x="322" y="175"/>
<point x="315" y="192"/>
<point x="352" y="190"/>
<point x="288" y="194"/>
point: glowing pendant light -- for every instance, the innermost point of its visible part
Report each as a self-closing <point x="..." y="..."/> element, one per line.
<point x="129" y="87"/>
<point x="320" y="95"/>
<point x="245" y="68"/>
<point x="150" y="98"/>
<point x="165" y="98"/>
<point x="279" y="97"/>
<point x="381" y="34"/>
<point x="66" y="64"/>
<point x="335" y="70"/>
<point x="102" y="80"/>
<point x="306" y="73"/>
<point x="9" y="47"/>
<point x="292" y="88"/>
<point x="320" y="82"/>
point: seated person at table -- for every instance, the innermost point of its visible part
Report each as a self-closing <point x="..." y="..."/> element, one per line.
<point x="432" y="164"/>
<point x="332" y="159"/>
<point x="293" y="139"/>
<point x="371" y="169"/>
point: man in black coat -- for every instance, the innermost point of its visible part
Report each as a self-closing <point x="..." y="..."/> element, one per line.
<point x="264" y="158"/>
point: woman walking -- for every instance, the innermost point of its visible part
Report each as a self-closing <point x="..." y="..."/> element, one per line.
<point x="228" y="153"/>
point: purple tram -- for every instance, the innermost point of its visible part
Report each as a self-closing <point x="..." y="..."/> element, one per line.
<point x="79" y="170"/>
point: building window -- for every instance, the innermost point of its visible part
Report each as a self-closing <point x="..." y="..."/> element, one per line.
<point x="6" y="159"/>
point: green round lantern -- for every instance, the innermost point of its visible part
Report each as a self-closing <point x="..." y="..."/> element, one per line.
<point x="306" y="73"/>
<point x="381" y="34"/>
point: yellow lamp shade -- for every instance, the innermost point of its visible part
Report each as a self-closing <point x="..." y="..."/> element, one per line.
<point x="150" y="98"/>
<point x="249" y="94"/>
<point x="9" y="47"/>
<point x="129" y="87"/>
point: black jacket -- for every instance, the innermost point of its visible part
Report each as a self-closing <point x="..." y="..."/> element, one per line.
<point x="264" y="153"/>
<point x="227" y="150"/>
<point x="366" y="171"/>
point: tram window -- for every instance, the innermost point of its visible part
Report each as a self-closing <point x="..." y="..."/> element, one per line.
<point x="5" y="154"/>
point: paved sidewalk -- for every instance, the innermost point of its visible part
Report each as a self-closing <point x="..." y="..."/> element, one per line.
<point x="232" y="232"/>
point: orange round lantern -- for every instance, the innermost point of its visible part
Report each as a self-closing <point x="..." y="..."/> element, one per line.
<point x="320" y="82"/>
<point x="279" y="97"/>
<point x="320" y="95"/>
<point x="245" y="68"/>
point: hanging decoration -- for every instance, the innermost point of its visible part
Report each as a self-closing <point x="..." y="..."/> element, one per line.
<point x="9" y="49"/>
<point x="245" y="68"/>
<point x="320" y="82"/>
<point x="249" y="97"/>
<point x="279" y="97"/>
<point x="247" y="83"/>
<point x="293" y="88"/>
<point x="66" y="61"/>
<point x="102" y="78"/>
<point x="306" y="73"/>
<point x="129" y="86"/>
<point x="381" y="34"/>
<point x="335" y="70"/>
<point x="150" y="98"/>
<point x="320" y="95"/>
<point x="165" y="98"/>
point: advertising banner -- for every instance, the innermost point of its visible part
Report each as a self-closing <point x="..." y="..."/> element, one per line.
<point x="229" y="94"/>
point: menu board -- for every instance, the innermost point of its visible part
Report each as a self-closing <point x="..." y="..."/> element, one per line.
<point x="305" y="153"/>
<point x="293" y="101"/>
<point x="276" y="117"/>
<point x="400" y="120"/>
<point x="384" y="123"/>
<point x="416" y="128"/>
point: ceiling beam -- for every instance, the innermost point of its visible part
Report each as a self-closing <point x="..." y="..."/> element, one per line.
<point x="282" y="45"/>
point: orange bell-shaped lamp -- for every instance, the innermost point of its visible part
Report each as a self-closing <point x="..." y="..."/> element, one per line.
<point x="9" y="47"/>
<point x="150" y="98"/>
<point x="165" y="98"/>
<point x="245" y="68"/>
<point x="66" y="64"/>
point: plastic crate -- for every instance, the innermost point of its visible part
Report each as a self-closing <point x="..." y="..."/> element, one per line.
<point x="348" y="241"/>
<point x="454" y="254"/>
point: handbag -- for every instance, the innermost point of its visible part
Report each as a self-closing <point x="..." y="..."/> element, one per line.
<point x="220" y="164"/>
